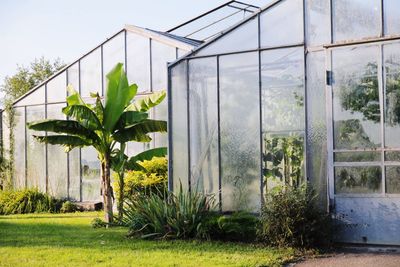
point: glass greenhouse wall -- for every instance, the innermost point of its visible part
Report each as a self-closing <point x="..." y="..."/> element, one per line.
<point x="304" y="90"/>
<point x="76" y="175"/>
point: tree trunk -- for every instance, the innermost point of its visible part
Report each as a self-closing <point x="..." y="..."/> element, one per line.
<point x="107" y="190"/>
<point x="121" y="196"/>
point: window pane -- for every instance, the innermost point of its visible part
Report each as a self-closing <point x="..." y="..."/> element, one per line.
<point x="392" y="17"/>
<point x="392" y="155"/>
<point x="318" y="22"/>
<point x="358" y="180"/>
<point x="356" y="19"/>
<point x="356" y="109"/>
<point x="138" y="56"/>
<point x="245" y="37"/>
<point x="91" y="78"/>
<point x="277" y="29"/>
<point x="179" y="126"/>
<point x="357" y="156"/>
<point x="392" y="179"/>
<point x="74" y="175"/>
<point x="161" y="54"/>
<point x="113" y="53"/>
<point x="19" y="148"/>
<point x="240" y="132"/>
<point x="91" y="179"/>
<point x="57" y="88"/>
<point x="73" y="76"/>
<point x="392" y="95"/>
<point x="204" y="125"/>
<point x="57" y="159"/>
<point x="34" y="98"/>
<point x="36" y="159"/>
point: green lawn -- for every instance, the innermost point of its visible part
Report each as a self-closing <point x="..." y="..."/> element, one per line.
<point x="69" y="240"/>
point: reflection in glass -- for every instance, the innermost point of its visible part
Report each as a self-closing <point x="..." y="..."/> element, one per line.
<point x="240" y="132"/>
<point x="91" y="78"/>
<point x="358" y="179"/>
<point x="203" y="125"/>
<point x="356" y="19"/>
<point x="356" y="109"/>
<point x="392" y="179"/>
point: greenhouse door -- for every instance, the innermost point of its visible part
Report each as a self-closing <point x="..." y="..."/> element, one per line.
<point x="363" y="114"/>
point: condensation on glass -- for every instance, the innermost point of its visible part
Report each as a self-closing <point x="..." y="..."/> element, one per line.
<point x="19" y="148"/>
<point x="57" y="88"/>
<point x="91" y="176"/>
<point x="113" y="53"/>
<point x="318" y="22"/>
<point x="90" y="74"/>
<point x="392" y="17"/>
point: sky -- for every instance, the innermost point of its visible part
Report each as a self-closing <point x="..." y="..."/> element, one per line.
<point x="67" y="29"/>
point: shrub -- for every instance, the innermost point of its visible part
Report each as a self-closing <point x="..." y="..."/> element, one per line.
<point x="27" y="201"/>
<point x="177" y="216"/>
<point x="68" y="206"/>
<point x="98" y="223"/>
<point x="290" y="218"/>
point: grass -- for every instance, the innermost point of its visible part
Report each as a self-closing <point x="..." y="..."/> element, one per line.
<point x="69" y="240"/>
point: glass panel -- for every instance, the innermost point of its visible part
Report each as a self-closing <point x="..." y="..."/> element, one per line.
<point x="181" y="53"/>
<point x="179" y="126"/>
<point x="318" y="22"/>
<point x="356" y="109"/>
<point x="36" y="159"/>
<point x="283" y="116"/>
<point x="113" y="53"/>
<point x="134" y="148"/>
<point x="392" y="95"/>
<point x="6" y="133"/>
<point x="275" y="24"/>
<point x="392" y="156"/>
<point x="57" y="159"/>
<point x="34" y="98"/>
<point x="204" y="125"/>
<point x="138" y="56"/>
<point x="392" y="179"/>
<point x="160" y="112"/>
<point x="19" y="148"/>
<point x="91" y="77"/>
<point x="161" y="54"/>
<point x="392" y="17"/>
<point x="91" y="177"/>
<point x="73" y="76"/>
<point x="356" y="19"/>
<point x="244" y="37"/>
<point x="240" y="132"/>
<point x="316" y="114"/>
<point x="358" y="180"/>
<point x="357" y="156"/>
<point x="57" y="88"/>
<point x="74" y="174"/>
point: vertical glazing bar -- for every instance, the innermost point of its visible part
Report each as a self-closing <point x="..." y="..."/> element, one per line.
<point x="151" y="64"/>
<point x="46" y="152"/>
<point x="176" y="53"/>
<point x="80" y="150"/>
<point x="306" y="161"/>
<point x="219" y="140"/>
<point x="382" y="18"/>
<point x="102" y="69"/>
<point x="125" y="52"/>
<point x="260" y="100"/>
<point x="331" y="18"/>
<point x="188" y="125"/>
<point x="68" y="172"/>
<point x="26" y="148"/>
<point x="381" y="80"/>
<point x="329" y="127"/>
<point x="170" y="144"/>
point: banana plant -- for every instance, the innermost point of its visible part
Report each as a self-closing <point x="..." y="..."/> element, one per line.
<point x="104" y="126"/>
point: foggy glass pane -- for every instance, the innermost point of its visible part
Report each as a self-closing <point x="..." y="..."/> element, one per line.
<point x="91" y="177"/>
<point x="133" y="148"/>
<point x="392" y="179"/>
<point x="356" y="111"/>
<point x="57" y="89"/>
<point x="57" y="159"/>
<point x="91" y="77"/>
<point x="73" y="76"/>
<point x="113" y="53"/>
<point x="356" y="19"/>
<point x="245" y="37"/>
<point x="316" y="128"/>
<point x="6" y="133"/>
<point x="74" y="174"/>
<point x="19" y="148"/>
<point x="179" y="126"/>
<point x="392" y="17"/>
<point x="392" y="95"/>
<point x="392" y="156"/>
<point x="318" y="22"/>
<point x="138" y="57"/>
<point x="161" y="113"/>
<point x="161" y="54"/>
<point x="34" y="98"/>
<point x="282" y="24"/>
<point x="240" y="132"/>
<point x="36" y="159"/>
<point x="203" y="108"/>
<point x="357" y="156"/>
<point x="358" y="180"/>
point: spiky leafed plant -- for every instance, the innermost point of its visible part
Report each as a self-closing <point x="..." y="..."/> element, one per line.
<point x="103" y="127"/>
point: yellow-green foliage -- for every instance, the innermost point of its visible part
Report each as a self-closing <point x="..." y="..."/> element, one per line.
<point x="154" y="179"/>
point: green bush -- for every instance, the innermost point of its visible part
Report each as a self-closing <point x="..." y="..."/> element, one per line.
<point x="98" y="223"/>
<point x="290" y="217"/>
<point x="27" y="201"/>
<point x="153" y="180"/>
<point x="68" y="207"/>
<point x="177" y="216"/>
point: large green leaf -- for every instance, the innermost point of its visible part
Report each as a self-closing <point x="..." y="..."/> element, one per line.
<point x="129" y="118"/>
<point x="118" y="96"/>
<point x="150" y="154"/>
<point x="84" y="115"/>
<point x="74" y="98"/>
<point x="65" y="127"/>
<point x="68" y="141"/>
<point x="137" y="131"/>
<point x="148" y="102"/>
